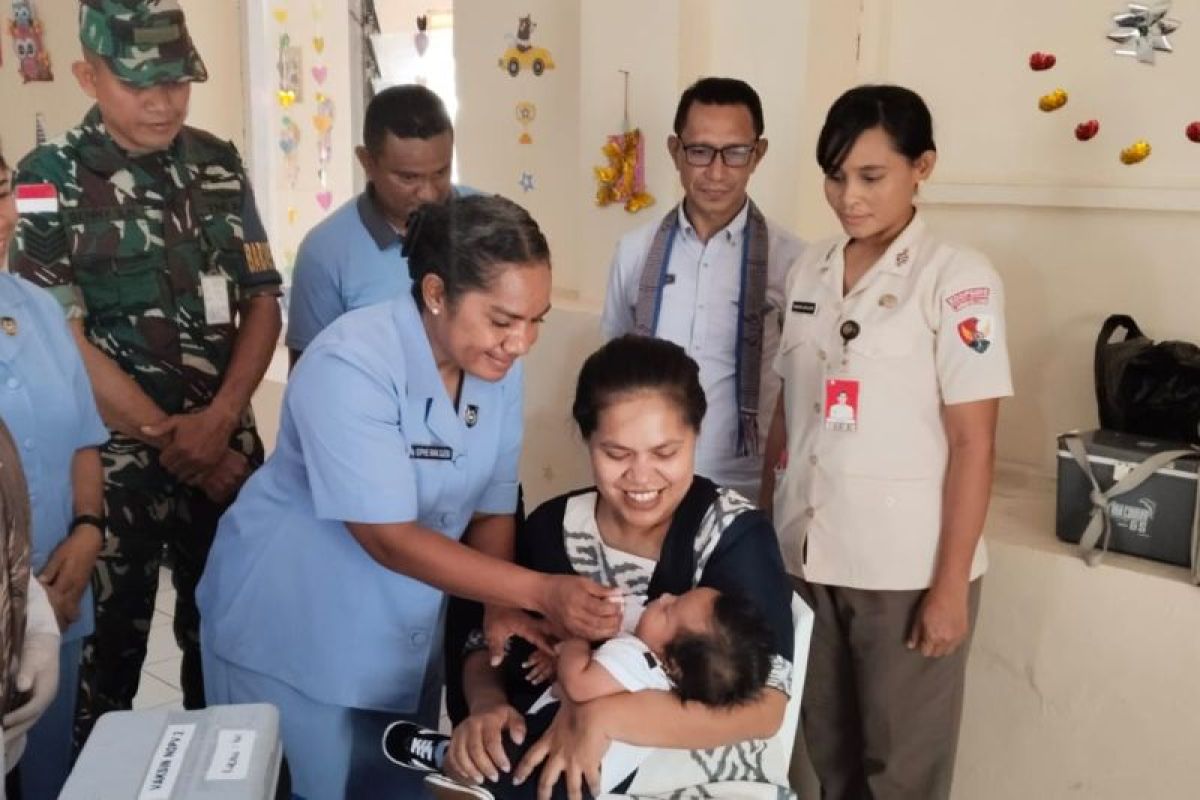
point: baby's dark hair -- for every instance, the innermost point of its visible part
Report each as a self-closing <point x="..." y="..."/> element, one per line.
<point x="729" y="665"/>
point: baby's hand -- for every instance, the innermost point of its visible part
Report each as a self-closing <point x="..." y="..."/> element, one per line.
<point x="540" y="667"/>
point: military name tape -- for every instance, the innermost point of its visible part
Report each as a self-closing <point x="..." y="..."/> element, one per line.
<point x="37" y="198"/>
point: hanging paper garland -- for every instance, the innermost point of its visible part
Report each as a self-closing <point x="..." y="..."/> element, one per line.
<point x="623" y="179"/>
<point x="33" y="62"/>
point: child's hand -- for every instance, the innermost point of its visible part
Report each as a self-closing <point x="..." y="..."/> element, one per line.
<point x="540" y="667"/>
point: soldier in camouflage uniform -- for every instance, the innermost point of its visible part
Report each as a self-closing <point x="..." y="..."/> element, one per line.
<point x="154" y="247"/>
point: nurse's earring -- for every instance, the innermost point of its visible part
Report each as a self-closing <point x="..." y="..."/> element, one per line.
<point x="435" y="311"/>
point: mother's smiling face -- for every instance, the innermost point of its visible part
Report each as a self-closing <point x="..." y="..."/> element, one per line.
<point x="643" y="455"/>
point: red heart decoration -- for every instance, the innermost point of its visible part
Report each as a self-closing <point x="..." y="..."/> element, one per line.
<point x="1039" y="61"/>
<point x="1086" y="130"/>
<point x="1193" y="132"/>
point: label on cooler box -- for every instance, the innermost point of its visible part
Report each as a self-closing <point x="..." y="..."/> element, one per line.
<point x="231" y="760"/>
<point x="167" y="762"/>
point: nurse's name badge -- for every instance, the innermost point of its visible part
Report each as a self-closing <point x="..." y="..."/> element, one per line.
<point x="431" y="452"/>
<point x="8" y="325"/>
<point x="471" y="416"/>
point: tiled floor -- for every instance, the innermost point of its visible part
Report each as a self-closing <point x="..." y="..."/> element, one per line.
<point x="160" y="675"/>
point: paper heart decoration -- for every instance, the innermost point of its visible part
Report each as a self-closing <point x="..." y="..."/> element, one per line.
<point x="421" y="42"/>
<point x="292" y="214"/>
<point x="1136" y="153"/>
<point x="1053" y="101"/>
<point x="1086" y="130"/>
<point x="319" y="44"/>
<point x="280" y="15"/>
<point x="322" y="123"/>
<point x="286" y="98"/>
<point x="325" y="200"/>
<point x="1039" y="62"/>
<point x="320" y="73"/>
<point x="1193" y="132"/>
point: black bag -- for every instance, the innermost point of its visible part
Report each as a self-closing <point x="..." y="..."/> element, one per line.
<point x="1145" y="388"/>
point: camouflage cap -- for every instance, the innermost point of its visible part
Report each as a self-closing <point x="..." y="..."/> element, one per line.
<point x="144" y="42"/>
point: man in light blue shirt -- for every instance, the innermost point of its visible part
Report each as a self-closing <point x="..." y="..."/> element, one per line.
<point x="709" y="276"/>
<point x="352" y="259"/>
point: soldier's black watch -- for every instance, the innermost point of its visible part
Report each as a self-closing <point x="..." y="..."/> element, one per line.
<point x="90" y="519"/>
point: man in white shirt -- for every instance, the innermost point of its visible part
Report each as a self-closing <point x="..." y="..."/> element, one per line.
<point x="710" y="277"/>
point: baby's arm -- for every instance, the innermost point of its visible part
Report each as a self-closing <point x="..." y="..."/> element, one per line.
<point x="581" y="678"/>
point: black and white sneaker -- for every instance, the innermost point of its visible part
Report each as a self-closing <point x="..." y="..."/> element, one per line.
<point x="444" y="788"/>
<point x="408" y="745"/>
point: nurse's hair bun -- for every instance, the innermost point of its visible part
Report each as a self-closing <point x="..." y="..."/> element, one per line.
<point x="462" y="241"/>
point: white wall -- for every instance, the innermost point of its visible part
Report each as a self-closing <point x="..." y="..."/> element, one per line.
<point x="1076" y="234"/>
<point x="213" y="26"/>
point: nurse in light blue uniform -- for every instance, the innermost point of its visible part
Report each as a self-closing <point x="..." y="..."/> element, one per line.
<point x="46" y="401"/>
<point x="400" y="435"/>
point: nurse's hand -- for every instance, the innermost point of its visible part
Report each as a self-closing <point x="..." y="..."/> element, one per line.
<point x="69" y="571"/>
<point x="572" y="749"/>
<point x="941" y="623"/>
<point x="500" y="623"/>
<point x="581" y="607"/>
<point x="477" y="747"/>
<point x="198" y="441"/>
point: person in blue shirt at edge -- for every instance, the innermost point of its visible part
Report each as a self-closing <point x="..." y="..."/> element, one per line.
<point x="352" y="259"/>
<point x="47" y="403"/>
<point x="400" y="435"/>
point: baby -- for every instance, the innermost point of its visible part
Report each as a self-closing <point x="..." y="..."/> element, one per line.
<point x="705" y="646"/>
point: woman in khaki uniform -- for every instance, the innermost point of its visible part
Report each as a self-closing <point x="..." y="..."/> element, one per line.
<point x="893" y="359"/>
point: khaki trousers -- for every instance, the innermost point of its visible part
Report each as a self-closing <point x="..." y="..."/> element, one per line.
<point x="880" y="721"/>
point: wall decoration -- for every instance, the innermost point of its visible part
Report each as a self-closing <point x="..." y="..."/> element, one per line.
<point x="368" y="26"/>
<point x="1193" y="132"/>
<point x="522" y="54"/>
<point x="289" y="143"/>
<point x="1136" y="153"/>
<point x="323" y="123"/>
<point x="39" y="129"/>
<point x="33" y="62"/>
<point x="292" y="214"/>
<point x="1053" y="101"/>
<point x="280" y="15"/>
<point x="1085" y="131"/>
<point x="526" y="182"/>
<point x="1039" y="62"/>
<point x="623" y="178"/>
<point x="421" y="38"/>
<point x="1142" y="31"/>
<point x="526" y="113"/>
<point x="319" y="44"/>
<point x="291" y="72"/>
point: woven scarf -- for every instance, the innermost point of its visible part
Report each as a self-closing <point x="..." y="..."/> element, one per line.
<point x="14" y="566"/>
<point x="752" y="302"/>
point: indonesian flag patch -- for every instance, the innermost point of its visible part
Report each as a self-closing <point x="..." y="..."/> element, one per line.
<point x="37" y="198"/>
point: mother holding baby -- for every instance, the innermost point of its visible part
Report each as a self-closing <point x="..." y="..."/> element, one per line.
<point x="649" y="526"/>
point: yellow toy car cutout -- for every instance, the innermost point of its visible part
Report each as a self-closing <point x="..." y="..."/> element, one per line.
<point x="534" y="58"/>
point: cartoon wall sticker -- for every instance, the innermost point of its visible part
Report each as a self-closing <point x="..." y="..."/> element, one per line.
<point x="33" y="62"/>
<point x="421" y="38"/>
<point x="522" y="54"/>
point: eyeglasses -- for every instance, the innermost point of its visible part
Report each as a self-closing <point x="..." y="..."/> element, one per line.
<point x="733" y="155"/>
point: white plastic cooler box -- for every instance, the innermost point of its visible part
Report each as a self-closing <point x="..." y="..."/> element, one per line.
<point x="219" y="753"/>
